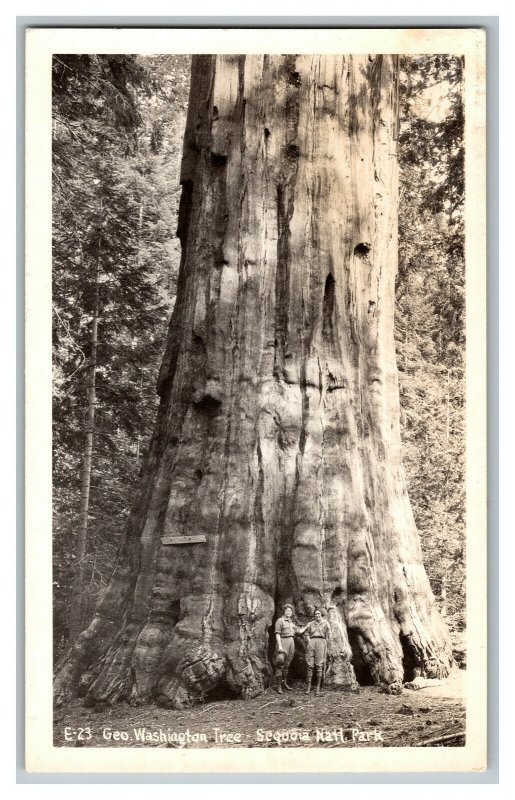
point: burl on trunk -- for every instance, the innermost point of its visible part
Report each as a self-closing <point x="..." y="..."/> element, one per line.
<point x="277" y="438"/>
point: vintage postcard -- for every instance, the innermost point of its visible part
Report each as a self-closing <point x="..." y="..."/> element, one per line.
<point x="256" y="393"/>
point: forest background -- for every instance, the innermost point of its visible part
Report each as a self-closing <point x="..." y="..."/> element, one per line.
<point x="118" y="125"/>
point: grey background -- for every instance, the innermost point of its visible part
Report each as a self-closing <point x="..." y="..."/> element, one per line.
<point x="491" y="25"/>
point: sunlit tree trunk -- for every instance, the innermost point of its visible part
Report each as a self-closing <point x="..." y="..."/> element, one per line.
<point x="277" y="439"/>
<point x="76" y="615"/>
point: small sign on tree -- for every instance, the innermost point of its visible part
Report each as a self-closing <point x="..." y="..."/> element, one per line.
<point x="183" y="539"/>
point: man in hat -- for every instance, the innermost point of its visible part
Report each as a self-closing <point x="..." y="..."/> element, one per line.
<point x="319" y="636"/>
<point x="285" y="631"/>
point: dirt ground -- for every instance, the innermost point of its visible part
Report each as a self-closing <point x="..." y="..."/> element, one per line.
<point x="334" y="719"/>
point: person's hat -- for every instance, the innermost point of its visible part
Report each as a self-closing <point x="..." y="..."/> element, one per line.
<point x="280" y="658"/>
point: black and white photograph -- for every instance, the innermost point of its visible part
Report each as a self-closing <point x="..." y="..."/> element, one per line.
<point x="265" y="527"/>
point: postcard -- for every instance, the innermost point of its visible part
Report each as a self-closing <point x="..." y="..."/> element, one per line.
<point x="256" y="393"/>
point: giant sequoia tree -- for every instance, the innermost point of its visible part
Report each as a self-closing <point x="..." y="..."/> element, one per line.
<point x="275" y="470"/>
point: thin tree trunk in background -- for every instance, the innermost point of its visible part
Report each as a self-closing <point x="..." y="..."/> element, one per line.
<point x="140" y="230"/>
<point x="138" y="262"/>
<point x="76" y="620"/>
<point x="448" y="409"/>
<point x="138" y="437"/>
<point x="277" y="440"/>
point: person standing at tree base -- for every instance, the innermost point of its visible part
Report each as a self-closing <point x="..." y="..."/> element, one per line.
<point x="285" y="631"/>
<point x="319" y="634"/>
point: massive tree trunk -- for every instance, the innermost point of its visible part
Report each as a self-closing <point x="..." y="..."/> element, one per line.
<point x="277" y="439"/>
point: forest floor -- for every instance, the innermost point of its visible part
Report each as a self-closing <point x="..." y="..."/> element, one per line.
<point x="294" y="719"/>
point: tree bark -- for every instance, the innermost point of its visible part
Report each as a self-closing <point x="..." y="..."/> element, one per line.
<point x="278" y="431"/>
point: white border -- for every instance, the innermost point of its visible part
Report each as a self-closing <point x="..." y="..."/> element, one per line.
<point x="41" y="756"/>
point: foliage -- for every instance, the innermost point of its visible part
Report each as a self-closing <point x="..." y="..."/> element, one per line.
<point x="116" y="147"/>
<point x="430" y="316"/>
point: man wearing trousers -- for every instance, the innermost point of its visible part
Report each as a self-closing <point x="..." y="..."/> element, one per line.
<point x="319" y="636"/>
<point x="285" y="631"/>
